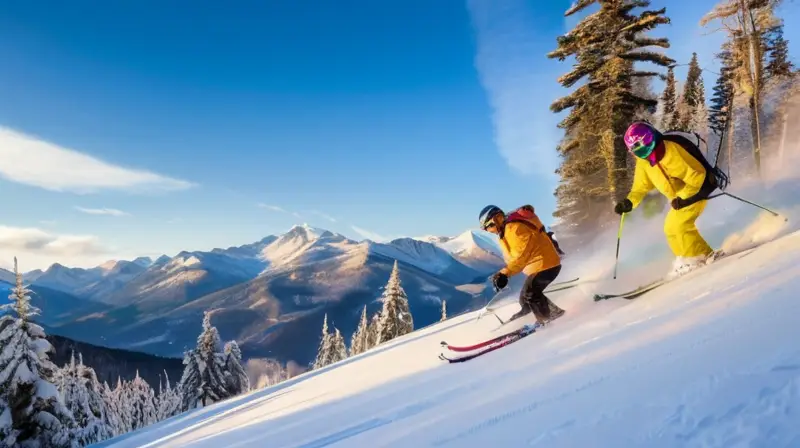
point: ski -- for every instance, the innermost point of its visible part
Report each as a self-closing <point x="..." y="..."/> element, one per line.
<point x="634" y="293"/>
<point x="496" y="343"/>
<point x="469" y="348"/>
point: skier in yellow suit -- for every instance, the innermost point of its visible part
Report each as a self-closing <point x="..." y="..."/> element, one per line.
<point x="669" y="168"/>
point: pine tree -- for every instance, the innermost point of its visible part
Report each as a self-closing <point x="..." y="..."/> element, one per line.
<point x="396" y="319"/>
<point x="747" y="23"/>
<point x="606" y="44"/>
<point x="119" y="401"/>
<point x="777" y="49"/>
<point x="38" y="415"/>
<point x="141" y="402"/>
<point x="203" y="380"/>
<point x="693" y="99"/>
<point x="5" y="421"/>
<point x="373" y="330"/>
<point x="359" y="343"/>
<point x="324" y="350"/>
<point x="670" y="117"/>
<point x="169" y="402"/>
<point x="83" y="396"/>
<point x="236" y="378"/>
<point x="444" y="311"/>
<point x="338" y="347"/>
<point x="722" y="98"/>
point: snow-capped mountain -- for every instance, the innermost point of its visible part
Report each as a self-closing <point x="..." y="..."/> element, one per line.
<point x="7" y="276"/>
<point x="474" y="248"/>
<point x="266" y="294"/>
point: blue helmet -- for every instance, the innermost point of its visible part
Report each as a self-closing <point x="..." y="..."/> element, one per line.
<point x="488" y="212"/>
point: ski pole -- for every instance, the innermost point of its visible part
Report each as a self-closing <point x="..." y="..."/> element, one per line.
<point x="619" y="237"/>
<point x="746" y="202"/>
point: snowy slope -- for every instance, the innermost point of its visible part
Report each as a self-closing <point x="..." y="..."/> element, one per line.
<point x="708" y="360"/>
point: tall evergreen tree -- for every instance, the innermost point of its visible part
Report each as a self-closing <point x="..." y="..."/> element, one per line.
<point x="777" y="48"/>
<point x="203" y="380"/>
<point x="373" y="330"/>
<point x="237" y="380"/>
<point x="338" y="347"/>
<point x="141" y="401"/>
<point x="169" y="402"/>
<point x="722" y="98"/>
<point x="120" y="402"/>
<point x="82" y="395"/>
<point x="669" y="100"/>
<point x="606" y="44"/>
<point x="692" y="108"/>
<point x="359" y="343"/>
<point x="396" y="319"/>
<point x="324" y="350"/>
<point x="38" y="415"/>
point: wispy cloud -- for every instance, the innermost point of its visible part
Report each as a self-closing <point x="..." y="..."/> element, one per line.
<point x="369" y="234"/>
<point x="36" y="240"/>
<point x="47" y="222"/>
<point x="274" y="208"/>
<point x="102" y="211"/>
<point x="31" y="161"/>
<point x="323" y="215"/>
<point x="520" y="90"/>
<point x="174" y="221"/>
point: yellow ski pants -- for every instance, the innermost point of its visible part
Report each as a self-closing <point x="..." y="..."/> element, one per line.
<point x="682" y="235"/>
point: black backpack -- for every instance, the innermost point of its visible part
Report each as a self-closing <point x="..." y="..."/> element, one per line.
<point x="715" y="177"/>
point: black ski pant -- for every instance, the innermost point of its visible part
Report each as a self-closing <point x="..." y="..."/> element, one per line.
<point x="532" y="298"/>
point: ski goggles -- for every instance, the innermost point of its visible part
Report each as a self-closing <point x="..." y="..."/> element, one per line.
<point x="641" y="150"/>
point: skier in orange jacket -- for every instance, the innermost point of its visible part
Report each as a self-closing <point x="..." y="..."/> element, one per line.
<point x="527" y="248"/>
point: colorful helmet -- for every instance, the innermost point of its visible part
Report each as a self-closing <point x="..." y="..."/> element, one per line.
<point x="641" y="139"/>
<point x="488" y="212"/>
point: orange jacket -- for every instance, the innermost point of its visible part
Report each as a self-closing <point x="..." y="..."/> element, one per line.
<point x="526" y="248"/>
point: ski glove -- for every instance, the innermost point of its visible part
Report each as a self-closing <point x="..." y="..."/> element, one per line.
<point x="623" y="207"/>
<point x="679" y="203"/>
<point x="499" y="281"/>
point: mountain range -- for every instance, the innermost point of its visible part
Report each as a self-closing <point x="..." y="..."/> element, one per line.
<point x="269" y="295"/>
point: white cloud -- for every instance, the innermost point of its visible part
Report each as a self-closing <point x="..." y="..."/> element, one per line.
<point x="369" y="234"/>
<point x="36" y="248"/>
<point x="274" y="208"/>
<point x="519" y="85"/>
<point x="102" y="211"/>
<point x="31" y="161"/>
<point x="328" y="217"/>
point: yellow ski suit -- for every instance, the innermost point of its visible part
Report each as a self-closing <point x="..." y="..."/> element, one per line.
<point x="678" y="174"/>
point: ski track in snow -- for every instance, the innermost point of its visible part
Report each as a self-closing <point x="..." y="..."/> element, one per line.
<point x="710" y="360"/>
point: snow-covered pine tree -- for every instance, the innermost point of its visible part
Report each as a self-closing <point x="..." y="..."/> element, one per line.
<point x="338" y="347"/>
<point x="38" y="415"/>
<point x="120" y="402"/>
<point x="169" y="402"/>
<point x="82" y="395"/>
<point x="236" y="378"/>
<point x="5" y="421"/>
<point x="779" y="65"/>
<point x="373" y="329"/>
<point x="669" y="101"/>
<point x="141" y="402"/>
<point x="324" y="350"/>
<point x="444" y="311"/>
<point x="359" y="343"/>
<point x="191" y="383"/>
<point x="606" y="44"/>
<point x="203" y="381"/>
<point x="396" y="319"/>
<point x="112" y="418"/>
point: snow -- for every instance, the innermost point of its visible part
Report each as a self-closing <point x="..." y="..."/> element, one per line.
<point x="708" y="360"/>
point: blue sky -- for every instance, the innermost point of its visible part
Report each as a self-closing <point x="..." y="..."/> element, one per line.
<point x="141" y="128"/>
